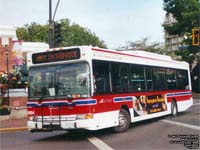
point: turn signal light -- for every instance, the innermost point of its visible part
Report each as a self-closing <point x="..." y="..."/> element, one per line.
<point x="31" y="118"/>
<point x="85" y="116"/>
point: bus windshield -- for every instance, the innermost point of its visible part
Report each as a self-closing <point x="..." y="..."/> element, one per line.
<point x="59" y="81"/>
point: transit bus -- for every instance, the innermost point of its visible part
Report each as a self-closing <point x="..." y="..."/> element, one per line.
<point x="92" y="88"/>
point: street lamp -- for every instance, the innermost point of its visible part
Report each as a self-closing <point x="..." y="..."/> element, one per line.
<point x="7" y="62"/>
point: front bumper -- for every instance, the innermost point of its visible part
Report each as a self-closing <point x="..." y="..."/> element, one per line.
<point x="61" y="124"/>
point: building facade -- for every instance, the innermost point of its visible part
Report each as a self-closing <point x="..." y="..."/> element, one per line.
<point x="172" y="42"/>
<point x="13" y="51"/>
<point x="7" y="35"/>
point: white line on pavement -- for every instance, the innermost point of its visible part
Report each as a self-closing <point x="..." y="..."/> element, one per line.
<point x="182" y="124"/>
<point x="99" y="144"/>
<point x="196" y="104"/>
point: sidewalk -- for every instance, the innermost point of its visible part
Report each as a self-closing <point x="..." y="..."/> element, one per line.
<point x="13" y="125"/>
<point x="196" y="95"/>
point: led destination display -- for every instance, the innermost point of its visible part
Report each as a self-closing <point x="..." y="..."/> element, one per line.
<point x="53" y="56"/>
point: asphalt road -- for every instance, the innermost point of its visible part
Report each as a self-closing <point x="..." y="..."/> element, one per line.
<point x="180" y="132"/>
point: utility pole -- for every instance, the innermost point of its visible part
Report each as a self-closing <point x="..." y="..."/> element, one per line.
<point x="8" y="76"/>
<point x="50" y="25"/>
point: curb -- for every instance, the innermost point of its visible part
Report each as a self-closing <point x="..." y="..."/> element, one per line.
<point x="13" y="129"/>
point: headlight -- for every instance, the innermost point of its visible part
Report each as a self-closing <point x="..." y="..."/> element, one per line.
<point x="31" y="118"/>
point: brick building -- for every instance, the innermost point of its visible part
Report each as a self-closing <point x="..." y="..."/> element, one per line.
<point x="12" y="54"/>
<point x="7" y="35"/>
<point x="15" y="50"/>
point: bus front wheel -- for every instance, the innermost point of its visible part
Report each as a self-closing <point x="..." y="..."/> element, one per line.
<point x="124" y="121"/>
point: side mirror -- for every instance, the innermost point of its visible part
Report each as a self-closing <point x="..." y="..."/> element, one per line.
<point x="26" y="89"/>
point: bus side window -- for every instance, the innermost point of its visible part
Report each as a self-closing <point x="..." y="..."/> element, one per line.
<point x="159" y="79"/>
<point x="182" y="79"/>
<point x="100" y="83"/>
<point x="137" y="78"/>
<point x="120" y="77"/>
<point x="149" y="78"/>
<point x="101" y="77"/>
<point x="171" y="79"/>
<point x="124" y="75"/>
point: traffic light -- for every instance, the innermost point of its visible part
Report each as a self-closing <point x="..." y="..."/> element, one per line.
<point x="196" y="37"/>
<point x="57" y="34"/>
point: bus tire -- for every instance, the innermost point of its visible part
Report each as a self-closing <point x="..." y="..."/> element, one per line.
<point x="124" y="121"/>
<point x="174" y="109"/>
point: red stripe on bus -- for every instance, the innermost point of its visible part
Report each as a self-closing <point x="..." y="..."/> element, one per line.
<point x="179" y="98"/>
<point x="101" y="50"/>
<point x="105" y="103"/>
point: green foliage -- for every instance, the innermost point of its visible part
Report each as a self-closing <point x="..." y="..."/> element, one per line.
<point x="186" y="12"/>
<point x="3" y="80"/>
<point x="71" y="34"/>
<point x="33" y="33"/>
<point x="187" y="15"/>
<point x="74" y="34"/>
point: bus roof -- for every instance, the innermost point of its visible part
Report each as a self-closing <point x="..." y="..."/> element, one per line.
<point x="140" y="54"/>
<point x="148" y="54"/>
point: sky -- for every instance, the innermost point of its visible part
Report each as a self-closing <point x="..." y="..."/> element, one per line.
<point x="114" y="21"/>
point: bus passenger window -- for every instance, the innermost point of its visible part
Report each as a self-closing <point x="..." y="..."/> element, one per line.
<point x="120" y="77"/>
<point x="101" y="77"/>
<point x="182" y="79"/>
<point x="124" y="75"/>
<point x="171" y="79"/>
<point x="149" y="79"/>
<point x="159" y="78"/>
<point x="137" y="78"/>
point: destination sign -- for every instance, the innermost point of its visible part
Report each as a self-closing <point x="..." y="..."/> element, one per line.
<point x="53" y="56"/>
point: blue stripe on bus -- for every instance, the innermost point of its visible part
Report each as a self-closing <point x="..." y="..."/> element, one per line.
<point x="54" y="104"/>
<point x="57" y="104"/>
<point x="179" y="94"/>
<point x="32" y="105"/>
<point x="122" y="99"/>
<point x="85" y="102"/>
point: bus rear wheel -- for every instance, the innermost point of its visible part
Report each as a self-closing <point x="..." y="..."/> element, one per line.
<point x="124" y="121"/>
<point x="174" y="109"/>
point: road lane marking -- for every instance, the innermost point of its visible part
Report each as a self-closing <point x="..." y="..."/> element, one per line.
<point x="99" y="144"/>
<point x="196" y="104"/>
<point x="182" y="124"/>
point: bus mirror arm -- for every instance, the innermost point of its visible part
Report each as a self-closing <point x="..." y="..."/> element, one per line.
<point x="95" y="93"/>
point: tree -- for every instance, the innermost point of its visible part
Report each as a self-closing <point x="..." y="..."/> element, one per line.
<point x="187" y="15"/>
<point x="71" y="34"/>
<point x="144" y="44"/>
<point x="33" y="33"/>
<point x="74" y="34"/>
